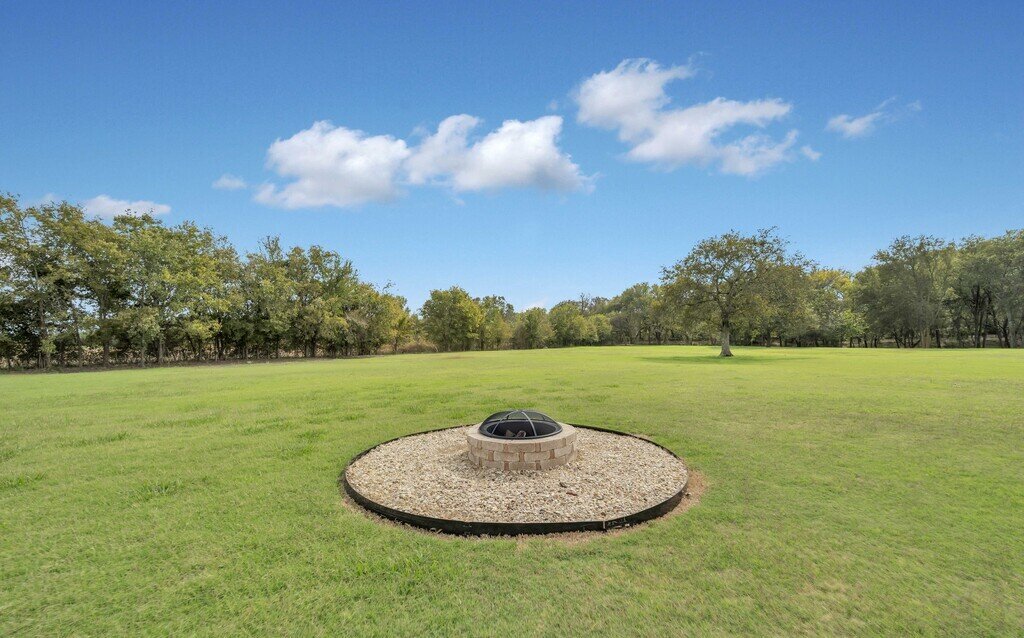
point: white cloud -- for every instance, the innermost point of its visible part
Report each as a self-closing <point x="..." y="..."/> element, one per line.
<point x="518" y="154"/>
<point x="627" y="98"/>
<point x="442" y="153"/>
<point x="333" y="166"/>
<point x="754" y="154"/>
<point x="228" y="182"/>
<point x="689" y="136"/>
<point x="632" y="100"/>
<point x="336" y="166"/>
<point x="888" y="111"/>
<point x="108" y="207"/>
<point x="810" y="153"/>
<point x="851" y="127"/>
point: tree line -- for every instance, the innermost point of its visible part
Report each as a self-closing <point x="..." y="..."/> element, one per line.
<point x="76" y="291"/>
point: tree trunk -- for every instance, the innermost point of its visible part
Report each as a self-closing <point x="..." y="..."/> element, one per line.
<point x="726" y="351"/>
<point x="998" y="328"/>
<point x="160" y="349"/>
<point x="44" y="357"/>
<point x="978" y="309"/>
<point x="79" y="350"/>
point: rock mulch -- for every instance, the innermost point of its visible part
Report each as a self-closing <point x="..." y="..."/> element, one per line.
<point x="431" y="475"/>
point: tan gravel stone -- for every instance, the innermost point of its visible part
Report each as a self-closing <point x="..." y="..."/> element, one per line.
<point x="432" y="474"/>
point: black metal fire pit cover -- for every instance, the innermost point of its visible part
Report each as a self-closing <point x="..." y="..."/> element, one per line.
<point x="519" y="424"/>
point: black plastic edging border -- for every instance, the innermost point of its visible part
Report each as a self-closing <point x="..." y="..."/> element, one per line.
<point x="485" y="528"/>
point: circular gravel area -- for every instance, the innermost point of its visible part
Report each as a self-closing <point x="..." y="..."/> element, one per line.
<point x="430" y="475"/>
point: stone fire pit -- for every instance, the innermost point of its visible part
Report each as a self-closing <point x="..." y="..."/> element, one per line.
<point x="517" y="472"/>
<point x="521" y="440"/>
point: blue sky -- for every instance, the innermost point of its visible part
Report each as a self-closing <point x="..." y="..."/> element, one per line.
<point x="586" y="191"/>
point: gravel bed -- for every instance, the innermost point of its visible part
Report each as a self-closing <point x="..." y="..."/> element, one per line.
<point x="430" y="475"/>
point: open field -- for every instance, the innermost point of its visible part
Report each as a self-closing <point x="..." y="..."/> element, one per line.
<point x="850" y="492"/>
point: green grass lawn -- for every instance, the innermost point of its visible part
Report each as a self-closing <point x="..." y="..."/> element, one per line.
<point x="851" y="492"/>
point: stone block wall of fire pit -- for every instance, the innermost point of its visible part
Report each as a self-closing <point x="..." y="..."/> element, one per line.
<point x="522" y="453"/>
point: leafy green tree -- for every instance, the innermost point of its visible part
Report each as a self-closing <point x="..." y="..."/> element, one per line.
<point x="376" y="319"/>
<point x="532" y="329"/>
<point x="451" y="319"/>
<point x="1008" y="288"/>
<point x="570" y="327"/>
<point x="183" y="274"/>
<point x="970" y="302"/>
<point x="152" y="268"/>
<point x="633" y="309"/>
<point x="268" y="291"/>
<point x="783" y="307"/>
<point x="326" y="288"/>
<point x="565" y="328"/>
<point x="496" y="317"/>
<point x="602" y="326"/>
<point x="103" y="277"/>
<point x="10" y="341"/>
<point x="207" y="288"/>
<point x="727" y="277"/>
<point x="905" y="291"/>
<point x="41" y="270"/>
<point x="988" y="287"/>
<point x="401" y="323"/>
<point x="833" y="317"/>
<point x="1005" y="284"/>
<point x="77" y="289"/>
<point x="139" y="326"/>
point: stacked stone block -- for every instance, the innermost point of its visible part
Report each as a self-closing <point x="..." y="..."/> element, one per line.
<point x="522" y="454"/>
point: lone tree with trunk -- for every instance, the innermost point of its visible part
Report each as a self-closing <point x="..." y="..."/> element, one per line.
<point x="726" y="278"/>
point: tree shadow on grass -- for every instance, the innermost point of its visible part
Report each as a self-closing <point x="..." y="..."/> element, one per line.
<point x="714" y="359"/>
